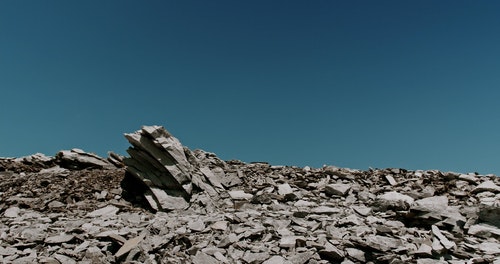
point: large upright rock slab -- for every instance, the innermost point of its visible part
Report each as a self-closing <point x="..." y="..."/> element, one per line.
<point x="167" y="168"/>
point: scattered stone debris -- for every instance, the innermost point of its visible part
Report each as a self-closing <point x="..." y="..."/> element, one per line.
<point x="81" y="208"/>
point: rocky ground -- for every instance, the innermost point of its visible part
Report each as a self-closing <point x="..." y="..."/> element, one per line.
<point x="80" y="208"/>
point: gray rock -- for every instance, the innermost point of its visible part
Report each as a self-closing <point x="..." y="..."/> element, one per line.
<point x="491" y="248"/>
<point x="196" y="225"/>
<point x="55" y="204"/>
<point x="424" y="251"/>
<point x="331" y="253"/>
<point x="301" y="258"/>
<point x="12" y="212"/>
<point x="444" y="240"/>
<point x="159" y="160"/>
<point x="240" y="195"/>
<point x="303" y="203"/>
<point x="362" y="210"/>
<point x="62" y="238"/>
<point x="430" y="261"/>
<point x="129" y="245"/>
<point x="202" y="258"/>
<point x="287" y="241"/>
<point x="382" y="243"/>
<point x="490" y="213"/>
<point x="469" y="178"/>
<point x="251" y="257"/>
<point x="109" y="210"/>
<point x="431" y="204"/>
<point x="356" y="254"/>
<point x="483" y="230"/>
<point x="77" y="159"/>
<point x="275" y="260"/>
<point x="381" y="216"/>
<point x="327" y="210"/>
<point x="220" y="225"/>
<point x="393" y="200"/>
<point x="391" y="180"/>
<point x="284" y="189"/>
<point x="339" y="189"/>
<point x="487" y="186"/>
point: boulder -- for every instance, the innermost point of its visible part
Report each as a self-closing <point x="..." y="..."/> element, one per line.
<point x="77" y="159"/>
<point x="393" y="201"/>
<point x="169" y="171"/>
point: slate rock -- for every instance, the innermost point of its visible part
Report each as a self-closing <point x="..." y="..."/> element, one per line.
<point x="284" y="189"/>
<point x="62" y="238"/>
<point x="393" y="200"/>
<point x="443" y="239"/>
<point x="331" y="253"/>
<point x="109" y="210"/>
<point x="264" y="198"/>
<point x="77" y="159"/>
<point x="339" y="189"/>
<point x="356" y="254"/>
<point x="251" y="257"/>
<point x="490" y="214"/>
<point x="12" y="212"/>
<point x="275" y="260"/>
<point x="487" y="186"/>
<point x="202" y="258"/>
<point x="483" y="230"/>
<point x="240" y="195"/>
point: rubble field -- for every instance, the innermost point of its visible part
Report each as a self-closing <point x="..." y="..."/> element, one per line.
<point x="167" y="204"/>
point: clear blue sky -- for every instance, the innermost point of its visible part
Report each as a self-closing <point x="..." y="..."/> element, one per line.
<point x="411" y="84"/>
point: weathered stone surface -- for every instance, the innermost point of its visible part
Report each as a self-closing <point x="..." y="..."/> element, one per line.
<point x="62" y="238"/>
<point x="431" y="204"/>
<point x="202" y="258"/>
<point x="484" y="230"/>
<point x="129" y="245"/>
<point x="240" y="195"/>
<point x="12" y="212"/>
<point x="79" y="159"/>
<point x="339" y="189"/>
<point x="393" y="200"/>
<point x="490" y="213"/>
<point x="487" y="186"/>
<point x="284" y="189"/>
<point x="169" y="171"/>
<point x="356" y="254"/>
<point x="276" y="260"/>
<point x="108" y="210"/>
<point x="236" y="212"/>
<point x="444" y="240"/>
<point x="331" y="253"/>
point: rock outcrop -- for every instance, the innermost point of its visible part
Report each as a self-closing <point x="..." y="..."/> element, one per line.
<point x="78" y="159"/>
<point x="237" y="212"/>
<point x="169" y="170"/>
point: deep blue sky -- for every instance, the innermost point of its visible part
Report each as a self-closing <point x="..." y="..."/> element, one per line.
<point x="411" y="84"/>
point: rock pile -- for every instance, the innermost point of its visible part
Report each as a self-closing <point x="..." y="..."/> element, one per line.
<point x="236" y="212"/>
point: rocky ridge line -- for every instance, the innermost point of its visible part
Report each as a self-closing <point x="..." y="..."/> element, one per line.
<point x="236" y="212"/>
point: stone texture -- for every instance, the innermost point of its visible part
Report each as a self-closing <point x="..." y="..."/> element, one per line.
<point x="214" y="211"/>
<point x="487" y="186"/>
<point x="393" y="200"/>
<point x="339" y="189"/>
<point x="79" y="159"/>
